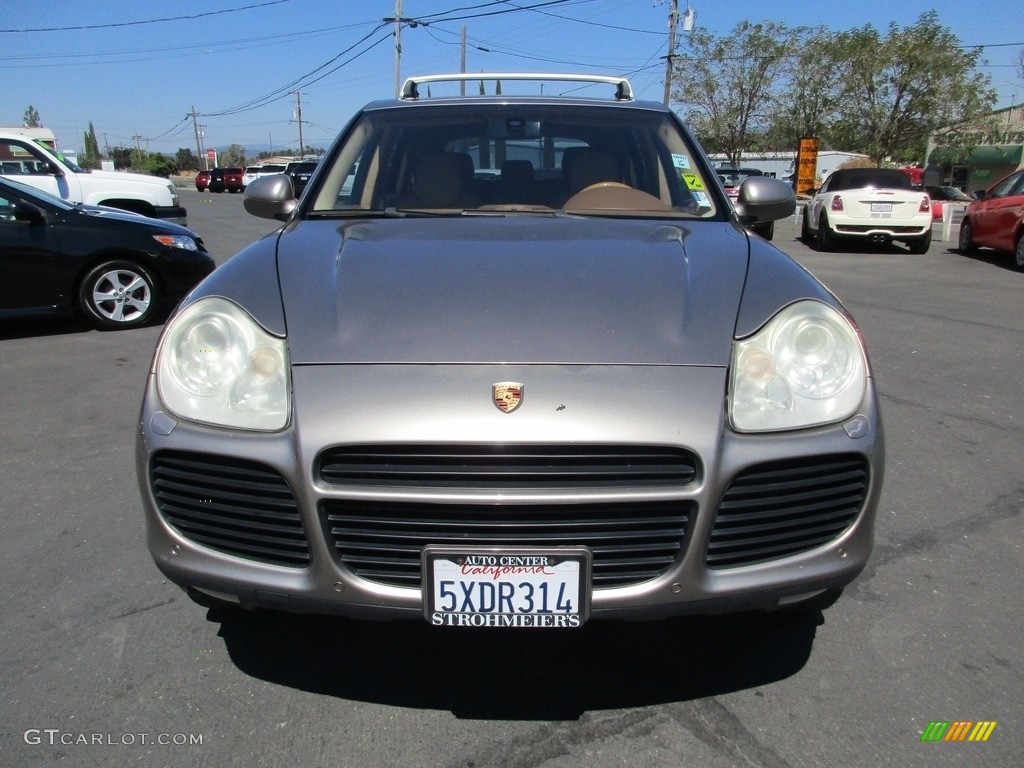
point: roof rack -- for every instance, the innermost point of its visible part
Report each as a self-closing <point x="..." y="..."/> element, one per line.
<point x="411" y="91"/>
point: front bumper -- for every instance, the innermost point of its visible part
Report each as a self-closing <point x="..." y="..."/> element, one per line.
<point x="714" y="563"/>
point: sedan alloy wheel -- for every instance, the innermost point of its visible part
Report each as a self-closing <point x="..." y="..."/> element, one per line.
<point x="118" y="294"/>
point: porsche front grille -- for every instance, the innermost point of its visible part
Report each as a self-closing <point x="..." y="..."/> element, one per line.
<point x="630" y="542"/>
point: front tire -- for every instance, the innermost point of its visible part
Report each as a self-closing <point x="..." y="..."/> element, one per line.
<point x="966" y="243"/>
<point x="1018" y="252"/>
<point x="118" y="294"/>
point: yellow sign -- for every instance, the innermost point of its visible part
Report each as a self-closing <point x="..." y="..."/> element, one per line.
<point x="807" y="165"/>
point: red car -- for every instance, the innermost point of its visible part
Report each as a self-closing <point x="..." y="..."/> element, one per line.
<point x="995" y="219"/>
<point x="230" y="179"/>
<point x="203" y="180"/>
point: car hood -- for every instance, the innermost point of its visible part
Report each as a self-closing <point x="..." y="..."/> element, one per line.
<point x="122" y="178"/>
<point x="535" y="290"/>
<point x="106" y="213"/>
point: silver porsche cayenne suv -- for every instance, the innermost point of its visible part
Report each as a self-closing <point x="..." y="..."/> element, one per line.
<point x="512" y="361"/>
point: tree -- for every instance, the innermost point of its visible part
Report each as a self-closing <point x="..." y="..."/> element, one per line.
<point x="31" y="118"/>
<point x="91" y="149"/>
<point x="123" y="157"/>
<point x="232" y="156"/>
<point x="186" y="159"/>
<point x="806" y="102"/>
<point x="159" y="164"/>
<point x="727" y="84"/>
<point x="899" y="89"/>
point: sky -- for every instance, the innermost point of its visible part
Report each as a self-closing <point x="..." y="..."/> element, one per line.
<point x="137" y="70"/>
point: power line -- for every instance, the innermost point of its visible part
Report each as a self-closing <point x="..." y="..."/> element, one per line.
<point x="148" y="21"/>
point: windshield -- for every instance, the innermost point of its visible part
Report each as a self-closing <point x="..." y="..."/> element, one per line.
<point x="515" y="158"/>
<point x="36" y="195"/>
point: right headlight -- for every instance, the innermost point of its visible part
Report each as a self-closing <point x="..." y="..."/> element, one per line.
<point x="216" y="365"/>
<point x="805" y="367"/>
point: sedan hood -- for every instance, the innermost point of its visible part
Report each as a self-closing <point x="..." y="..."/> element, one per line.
<point x="534" y="290"/>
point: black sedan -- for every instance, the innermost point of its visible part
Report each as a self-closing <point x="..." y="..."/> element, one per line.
<point x="115" y="268"/>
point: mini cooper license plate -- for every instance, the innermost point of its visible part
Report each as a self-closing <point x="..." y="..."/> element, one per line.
<point x="498" y="587"/>
<point x="881" y="207"/>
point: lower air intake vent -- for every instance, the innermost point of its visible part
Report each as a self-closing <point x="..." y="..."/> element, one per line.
<point x="232" y="505"/>
<point x="782" y="508"/>
<point x="631" y="543"/>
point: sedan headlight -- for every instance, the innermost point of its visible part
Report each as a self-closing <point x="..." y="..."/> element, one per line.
<point x="216" y="365"/>
<point x="806" y="366"/>
<point x="177" y="241"/>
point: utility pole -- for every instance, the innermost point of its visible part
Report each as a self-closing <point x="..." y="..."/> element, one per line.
<point x="399" y="20"/>
<point x="462" y="62"/>
<point x="398" y="48"/>
<point x="673" y="20"/>
<point x="195" y="127"/>
<point x="298" y="119"/>
<point x="138" y="149"/>
<point x="689" y="19"/>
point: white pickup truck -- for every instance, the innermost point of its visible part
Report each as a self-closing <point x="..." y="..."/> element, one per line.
<point x="30" y="162"/>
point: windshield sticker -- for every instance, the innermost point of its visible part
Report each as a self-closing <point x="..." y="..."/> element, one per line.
<point x="702" y="200"/>
<point x="680" y="161"/>
<point x="693" y="181"/>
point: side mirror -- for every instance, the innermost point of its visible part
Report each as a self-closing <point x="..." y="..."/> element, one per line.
<point x="764" y="199"/>
<point x="978" y="194"/>
<point x="270" y="197"/>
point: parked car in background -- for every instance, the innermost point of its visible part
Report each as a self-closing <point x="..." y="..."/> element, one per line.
<point x="251" y="174"/>
<point x="113" y="267"/>
<point x="870" y="206"/>
<point x="203" y="181"/>
<point x="731" y="178"/>
<point x="995" y="219"/>
<point x="299" y="172"/>
<point x="269" y="168"/>
<point x="37" y="165"/>
<point x="229" y="179"/>
<point x="940" y="195"/>
<point x="513" y="361"/>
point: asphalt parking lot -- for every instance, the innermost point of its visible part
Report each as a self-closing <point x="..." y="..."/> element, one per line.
<point x="103" y="662"/>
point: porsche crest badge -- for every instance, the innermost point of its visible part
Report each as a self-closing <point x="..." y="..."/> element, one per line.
<point x="508" y="395"/>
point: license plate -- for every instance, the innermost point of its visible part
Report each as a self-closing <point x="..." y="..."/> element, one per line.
<point x="881" y="207"/>
<point x="498" y="587"/>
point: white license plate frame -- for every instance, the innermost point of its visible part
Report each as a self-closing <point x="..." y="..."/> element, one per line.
<point x="535" y="587"/>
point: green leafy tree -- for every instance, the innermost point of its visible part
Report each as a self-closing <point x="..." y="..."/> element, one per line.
<point x="232" y="156"/>
<point x="726" y="85"/>
<point x="91" y="149"/>
<point x="900" y="88"/>
<point x="805" y="102"/>
<point x="186" y="160"/>
<point x="159" y="164"/>
<point x="31" y="118"/>
<point x="123" y="158"/>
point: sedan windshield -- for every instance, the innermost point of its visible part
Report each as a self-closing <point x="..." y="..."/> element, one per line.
<point x="495" y="158"/>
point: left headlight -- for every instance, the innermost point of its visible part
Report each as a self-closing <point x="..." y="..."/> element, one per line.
<point x="177" y="241"/>
<point x="216" y="365"/>
<point x="805" y="367"/>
